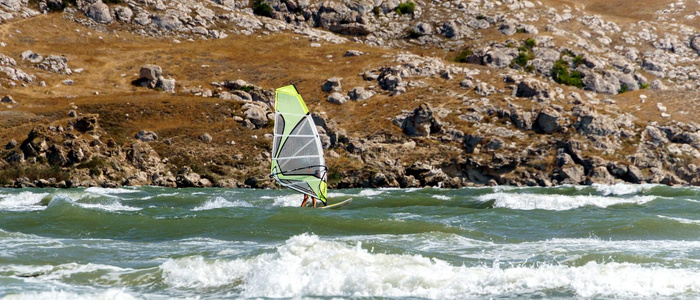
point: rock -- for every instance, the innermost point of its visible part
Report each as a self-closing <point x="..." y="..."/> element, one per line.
<point x="166" y="84"/>
<point x="421" y="122"/>
<point x="146" y="136"/>
<point x="337" y="98"/>
<point x="68" y="82"/>
<point x="655" y="136"/>
<point x="187" y="178"/>
<point x="351" y="53"/>
<point x="256" y="114"/>
<point x="8" y="99"/>
<point x="56" y="156"/>
<point x="123" y="13"/>
<point x="167" y="21"/>
<point x="11" y="144"/>
<point x="422" y="28"/>
<point x="205" y="137"/>
<point x="87" y="123"/>
<point x="600" y="175"/>
<point x="500" y="58"/>
<point x="332" y="84"/>
<point x="695" y="43"/>
<point x="451" y="30"/>
<point x="360" y="93"/>
<point x="151" y="72"/>
<point x="606" y="84"/>
<point x="31" y="57"/>
<point x="634" y="174"/>
<point x="99" y="12"/>
<point x="575" y="173"/>
<point x="531" y="87"/>
<point x="143" y="157"/>
<point x="548" y="121"/>
<point x="55" y="64"/>
<point x="656" y="84"/>
<point x="471" y="141"/>
<point x="494" y="143"/>
<point x="508" y="29"/>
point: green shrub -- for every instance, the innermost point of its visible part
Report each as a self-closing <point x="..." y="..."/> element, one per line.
<point x="529" y="68"/>
<point x="530" y="43"/>
<point x="245" y="88"/>
<point x="261" y="8"/>
<point x="578" y="60"/>
<point x="522" y="59"/>
<point x="560" y="74"/>
<point x="520" y="30"/>
<point x="623" y="89"/>
<point x="376" y="10"/>
<point x="113" y="1"/>
<point x="463" y="56"/>
<point x="406" y="8"/>
<point x="644" y="86"/>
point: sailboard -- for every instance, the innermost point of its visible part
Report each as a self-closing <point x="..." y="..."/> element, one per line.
<point x="340" y="204"/>
<point x="297" y="153"/>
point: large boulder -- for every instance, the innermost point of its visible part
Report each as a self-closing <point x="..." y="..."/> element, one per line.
<point x="187" y="178"/>
<point x="151" y="72"/>
<point x="256" y="114"/>
<point x="500" y="57"/>
<point x="146" y="136"/>
<point x="99" y="12"/>
<point x="143" y="157"/>
<point x="531" y="87"/>
<point x="332" y="85"/>
<point x="695" y="43"/>
<point x="421" y="122"/>
<point x="337" y="98"/>
<point x="549" y="121"/>
<point x="360" y="93"/>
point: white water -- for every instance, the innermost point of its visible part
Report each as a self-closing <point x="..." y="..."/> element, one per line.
<point x="220" y="202"/>
<point x="298" y="266"/>
<point x="24" y="201"/>
<point x="557" y="202"/>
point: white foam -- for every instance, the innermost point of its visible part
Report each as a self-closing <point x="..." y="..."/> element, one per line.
<point x="623" y="188"/>
<point x="24" y="201"/>
<point x="557" y="202"/>
<point x="370" y="193"/>
<point x="681" y="220"/>
<point x="112" y="206"/>
<point x="110" y="294"/>
<point x="288" y="200"/>
<point x="110" y="191"/>
<point x="441" y="197"/>
<point x="220" y="202"/>
<point x="299" y="267"/>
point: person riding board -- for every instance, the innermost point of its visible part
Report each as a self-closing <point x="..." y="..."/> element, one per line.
<point x="306" y="199"/>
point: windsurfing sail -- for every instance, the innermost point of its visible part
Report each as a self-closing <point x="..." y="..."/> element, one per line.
<point x="297" y="154"/>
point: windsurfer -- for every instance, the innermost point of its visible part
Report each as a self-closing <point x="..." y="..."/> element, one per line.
<point x="306" y="199"/>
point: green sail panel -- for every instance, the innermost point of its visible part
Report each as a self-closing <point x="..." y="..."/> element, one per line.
<point x="297" y="154"/>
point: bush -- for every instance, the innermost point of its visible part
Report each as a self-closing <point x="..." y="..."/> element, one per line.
<point x="376" y="10"/>
<point x="578" y="60"/>
<point x="522" y="59"/>
<point x="406" y="8"/>
<point x="463" y="56"/>
<point x="560" y="74"/>
<point x="530" y="43"/>
<point x="261" y="8"/>
<point x="644" y="86"/>
<point x="623" y="89"/>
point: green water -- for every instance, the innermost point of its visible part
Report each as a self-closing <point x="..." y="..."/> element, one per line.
<point x="599" y="242"/>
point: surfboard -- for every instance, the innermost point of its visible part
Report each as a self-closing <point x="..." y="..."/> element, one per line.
<point x="340" y="204"/>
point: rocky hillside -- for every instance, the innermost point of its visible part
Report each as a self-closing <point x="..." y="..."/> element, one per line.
<point x="405" y="94"/>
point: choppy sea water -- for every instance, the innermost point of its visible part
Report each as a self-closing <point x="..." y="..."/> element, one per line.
<point x="623" y="241"/>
